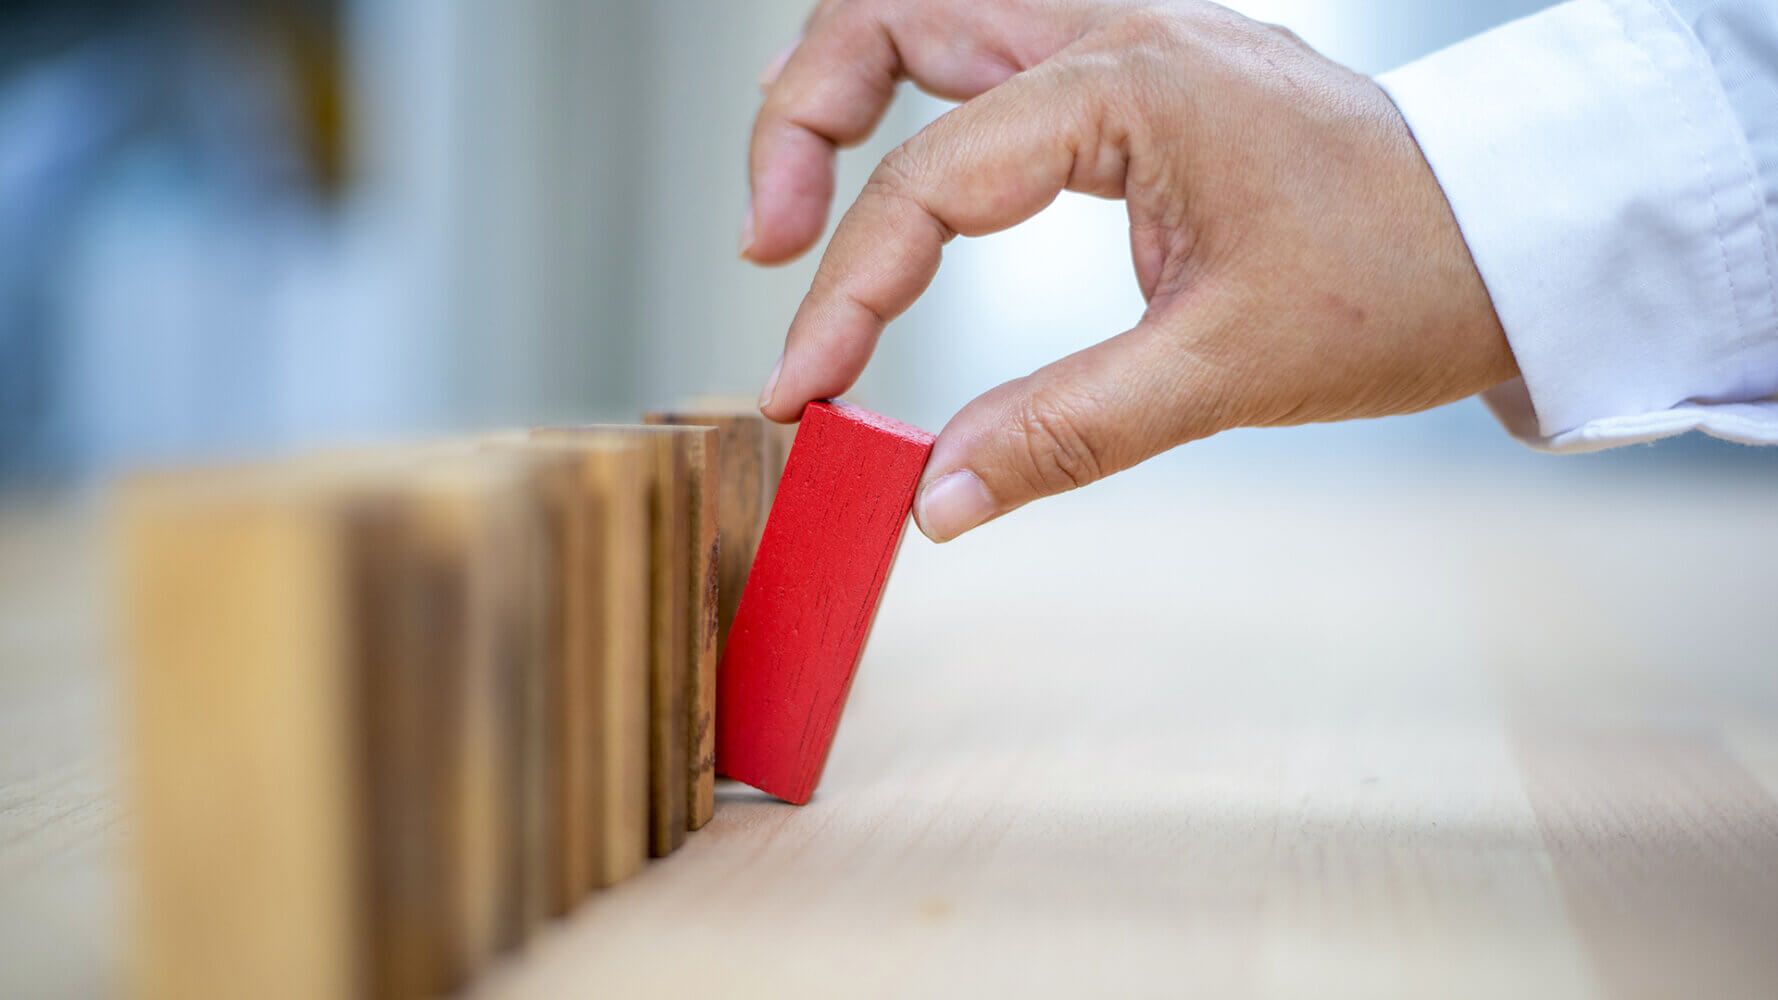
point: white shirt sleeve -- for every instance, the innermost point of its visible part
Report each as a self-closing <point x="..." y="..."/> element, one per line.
<point x="1613" y="165"/>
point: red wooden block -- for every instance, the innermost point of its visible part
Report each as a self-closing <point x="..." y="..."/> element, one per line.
<point x="809" y="601"/>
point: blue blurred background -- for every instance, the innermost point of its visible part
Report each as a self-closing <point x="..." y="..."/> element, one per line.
<point x="234" y="227"/>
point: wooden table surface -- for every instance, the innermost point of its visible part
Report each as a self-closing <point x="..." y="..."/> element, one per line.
<point x="1453" y="738"/>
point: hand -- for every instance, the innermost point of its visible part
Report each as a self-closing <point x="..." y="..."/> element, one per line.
<point x="1299" y="260"/>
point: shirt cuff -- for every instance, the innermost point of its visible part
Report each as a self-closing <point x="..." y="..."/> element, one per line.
<point x="1609" y="198"/>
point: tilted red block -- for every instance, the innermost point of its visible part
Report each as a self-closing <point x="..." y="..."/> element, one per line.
<point x="812" y="594"/>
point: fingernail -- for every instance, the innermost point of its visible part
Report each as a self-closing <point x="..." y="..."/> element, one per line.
<point x="747" y="229"/>
<point x="957" y="502"/>
<point x="765" y="396"/>
<point x="769" y="75"/>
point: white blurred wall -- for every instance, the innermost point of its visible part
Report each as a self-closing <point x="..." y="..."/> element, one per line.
<point x="572" y="177"/>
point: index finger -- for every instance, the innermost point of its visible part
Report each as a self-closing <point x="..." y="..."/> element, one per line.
<point x="986" y="166"/>
<point x="837" y="83"/>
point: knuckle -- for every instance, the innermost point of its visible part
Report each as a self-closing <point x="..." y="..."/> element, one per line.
<point x="1289" y="35"/>
<point x="1278" y="45"/>
<point x="896" y="181"/>
<point x="1058" y="453"/>
<point x="1145" y="27"/>
<point x="823" y="11"/>
<point x="896" y="173"/>
<point x="779" y="106"/>
<point x="900" y="192"/>
<point x="1137" y="54"/>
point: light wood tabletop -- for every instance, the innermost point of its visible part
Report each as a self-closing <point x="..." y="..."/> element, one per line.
<point x="1430" y="736"/>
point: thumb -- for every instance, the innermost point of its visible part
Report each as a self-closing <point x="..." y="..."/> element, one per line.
<point x="1071" y="423"/>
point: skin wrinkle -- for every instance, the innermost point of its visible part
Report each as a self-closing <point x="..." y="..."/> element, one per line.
<point x="1151" y="255"/>
<point x="1063" y="458"/>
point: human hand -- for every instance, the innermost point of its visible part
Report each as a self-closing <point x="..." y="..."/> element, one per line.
<point x="1300" y="262"/>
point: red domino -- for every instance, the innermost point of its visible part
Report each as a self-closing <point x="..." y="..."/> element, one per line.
<point x="812" y="594"/>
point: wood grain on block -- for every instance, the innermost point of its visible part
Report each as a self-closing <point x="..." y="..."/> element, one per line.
<point x="438" y="729"/>
<point x="682" y="618"/>
<point x="473" y="523"/>
<point x="686" y="584"/>
<point x="670" y="669"/>
<point x="326" y="819"/>
<point x="400" y="755"/>
<point x="600" y="626"/>
<point x="610" y="620"/>
<point x="829" y="544"/>
<point x="777" y="439"/>
<point x="531" y="638"/>
<point x="747" y="474"/>
<point x="424" y="804"/>
<point x="703" y="453"/>
<point x="594" y="490"/>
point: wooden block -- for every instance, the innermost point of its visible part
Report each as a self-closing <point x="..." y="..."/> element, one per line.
<point x="521" y="583"/>
<point x="614" y="479"/>
<point x="778" y="437"/>
<point x="744" y="485"/>
<point x="486" y="494"/>
<point x="682" y="633"/>
<point x="241" y="683"/>
<point x="557" y="811"/>
<point x="485" y="520"/>
<point x="698" y="453"/>
<point x="594" y="489"/>
<point x="807" y="610"/>
<point x="440" y="551"/>
<point x="669" y="642"/>
<point x="428" y="732"/>
<point x="322" y="737"/>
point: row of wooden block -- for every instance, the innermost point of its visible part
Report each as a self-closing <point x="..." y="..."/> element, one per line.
<point x="394" y="709"/>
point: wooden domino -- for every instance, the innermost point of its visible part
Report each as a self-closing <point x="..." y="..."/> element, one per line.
<point x="516" y="581"/>
<point x="260" y="669"/>
<point x="604" y="617"/>
<point x="394" y="708"/>
<point x="750" y="461"/>
<point x="321" y="739"/>
<point x="682" y="621"/>
<point x="829" y="543"/>
<point x="437" y="743"/>
<point x="593" y="491"/>
<point x="686" y="534"/>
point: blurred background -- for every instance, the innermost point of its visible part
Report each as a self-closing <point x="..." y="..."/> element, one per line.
<point x="229" y="227"/>
<point x="234" y="227"/>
